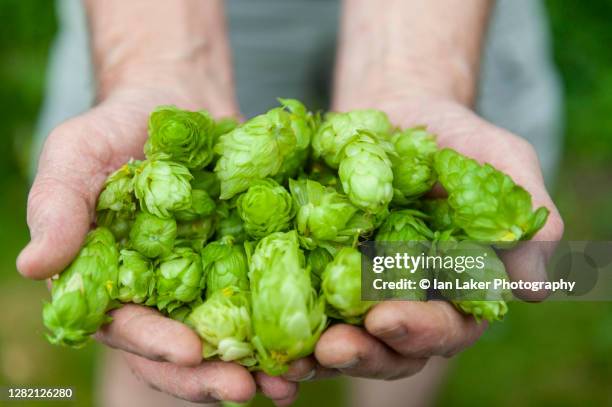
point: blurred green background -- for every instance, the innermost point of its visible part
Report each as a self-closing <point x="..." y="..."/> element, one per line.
<point x="556" y="354"/>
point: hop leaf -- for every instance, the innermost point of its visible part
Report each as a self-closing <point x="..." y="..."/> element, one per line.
<point x="82" y="294"/>
<point x="487" y="204"/>
<point x="186" y="137"/>
<point x="153" y="236"/>
<point x="265" y="208"/>
<point x="288" y="318"/>
<point x="341" y="285"/>
<point x="180" y="279"/>
<point x="413" y="173"/>
<point x="163" y="187"/>
<point x="340" y="129"/>
<point x="258" y="148"/>
<point x="225" y="265"/>
<point x="366" y="175"/>
<point x="326" y="217"/>
<point x="223" y="322"/>
<point x="136" y="282"/>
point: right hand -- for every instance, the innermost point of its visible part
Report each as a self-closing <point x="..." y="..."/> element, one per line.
<point x="75" y="161"/>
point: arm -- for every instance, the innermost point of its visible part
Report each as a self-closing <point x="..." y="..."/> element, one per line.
<point x="418" y="61"/>
<point x="146" y="53"/>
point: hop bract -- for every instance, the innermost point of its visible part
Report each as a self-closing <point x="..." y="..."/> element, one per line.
<point x="136" y="281"/>
<point x="163" y="187"/>
<point x="258" y="148"/>
<point x="83" y="293"/>
<point x="265" y="208"/>
<point x="366" y="175"/>
<point x="225" y="265"/>
<point x="180" y="279"/>
<point x="186" y="137"/>
<point x="487" y="204"/>
<point x="317" y="260"/>
<point x="339" y="129"/>
<point x="325" y="217"/>
<point x="288" y="317"/>
<point x="223" y="322"/>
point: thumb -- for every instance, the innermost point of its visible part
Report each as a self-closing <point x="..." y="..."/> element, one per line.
<point x="72" y="169"/>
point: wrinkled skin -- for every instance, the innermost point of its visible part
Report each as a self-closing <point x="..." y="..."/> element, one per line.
<point x="75" y="161"/>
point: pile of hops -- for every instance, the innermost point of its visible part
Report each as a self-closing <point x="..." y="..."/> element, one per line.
<point x="248" y="232"/>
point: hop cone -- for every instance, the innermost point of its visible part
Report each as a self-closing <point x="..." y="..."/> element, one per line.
<point x="201" y="205"/>
<point x="153" y="236"/>
<point x="82" y="294"/>
<point x="288" y="318"/>
<point x="180" y="279"/>
<point x="487" y="204"/>
<point x="339" y="129"/>
<point x="366" y="175"/>
<point x="136" y="281"/>
<point x="317" y="260"/>
<point x="163" y="187"/>
<point x="325" y="217"/>
<point x="225" y="265"/>
<point x="440" y="216"/>
<point x="258" y="148"/>
<point x="186" y="137"/>
<point x="341" y="284"/>
<point x="230" y="224"/>
<point x="413" y="173"/>
<point x="265" y="208"/>
<point x="223" y="322"/>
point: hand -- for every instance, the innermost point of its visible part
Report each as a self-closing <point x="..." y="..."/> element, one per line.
<point x="399" y="337"/>
<point x="76" y="159"/>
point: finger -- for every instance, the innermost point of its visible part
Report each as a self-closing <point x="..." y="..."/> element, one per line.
<point x="422" y="329"/>
<point x="145" y="332"/>
<point x="353" y="351"/>
<point x="306" y="369"/>
<point x="71" y="171"/>
<point x="205" y="383"/>
<point x="281" y="391"/>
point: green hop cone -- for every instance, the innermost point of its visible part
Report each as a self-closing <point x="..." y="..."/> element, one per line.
<point x="258" y="148"/>
<point x="265" y="208"/>
<point x="119" y="223"/>
<point x="488" y="304"/>
<point x="325" y="217"/>
<point x="340" y="129"/>
<point x="402" y="232"/>
<point x="413" y="173"/>
<point x="195" y="233"/>
<point x="366" y="174"/>
<point x="136" y="281"/>
<point x="487" y="204"/>
<point x="324" y="175"/>
<point x="118" y="192"/>
<point x="317" y="260"/>
<point x="152" y="236"/>
<point x="288" y="317"/>
<point x="186" y="137"/>
<point x="223" y="322"/>
<point x="163" y="187"/>
<point x="341" y="286"/>
<point x="82" y="294"/>
<point x="180" y="279"/>
<point x="201" y="205"/>
<point x="225" y="264"/>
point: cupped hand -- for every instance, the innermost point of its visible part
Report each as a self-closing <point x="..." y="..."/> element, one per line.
<point x="76" y="159"/>
<point x="399" y="337"/>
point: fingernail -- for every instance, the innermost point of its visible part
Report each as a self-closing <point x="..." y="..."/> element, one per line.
<point x="304" y="377"/>
<point x="392" y="334"/>
<point x="346" y="365"/>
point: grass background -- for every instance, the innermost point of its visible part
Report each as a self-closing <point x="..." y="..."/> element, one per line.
<point x="552" y="354"/>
